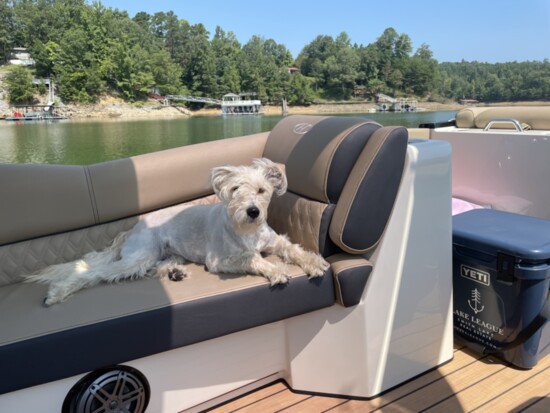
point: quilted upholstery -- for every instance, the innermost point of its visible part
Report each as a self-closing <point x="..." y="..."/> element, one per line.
<point x="301" y="219"/>
<point x="26" y="257"/>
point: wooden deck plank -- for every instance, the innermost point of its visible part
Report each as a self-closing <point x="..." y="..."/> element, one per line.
<point x="467" y="384"/>
<point x="440" y="390"/>
<point x="462" y="359"/>
<point x="531" y="391"/>
<point x="251" y="398"/>
<point x="495" y="387"/>
<point x="275" y="403"/>
<point x="315" y="404"/>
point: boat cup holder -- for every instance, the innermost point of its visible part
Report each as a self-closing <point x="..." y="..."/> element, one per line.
<point x="113" y="389"/>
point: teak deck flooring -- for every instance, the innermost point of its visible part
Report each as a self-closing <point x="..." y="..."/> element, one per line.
<point x="469" y="383"/>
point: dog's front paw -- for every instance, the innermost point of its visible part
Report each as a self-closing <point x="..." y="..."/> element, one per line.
<point x="276" y="279"/>
<point x="314" y="265"/>
<point x="277" y="274"/>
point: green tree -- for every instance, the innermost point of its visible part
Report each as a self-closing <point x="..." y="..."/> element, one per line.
<point x="228" y="58"/>
<point x="20" y="86"/>
<point x="7" y="26"/>
<point x="300" y="91"/>
<point x="421" y="72"/>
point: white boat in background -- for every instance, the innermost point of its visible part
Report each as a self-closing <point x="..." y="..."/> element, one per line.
<point x="238" y="104"/>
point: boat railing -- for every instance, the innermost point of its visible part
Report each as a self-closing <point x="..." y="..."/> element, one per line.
<point x="514" y="122"/>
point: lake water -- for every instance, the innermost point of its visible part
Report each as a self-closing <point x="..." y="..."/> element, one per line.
<point x="83" y="143"/>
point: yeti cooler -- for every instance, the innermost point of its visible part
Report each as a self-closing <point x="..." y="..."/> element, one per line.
<point x="501" y="277"/>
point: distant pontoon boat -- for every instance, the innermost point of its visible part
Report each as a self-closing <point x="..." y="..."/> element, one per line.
<point x="35" y="112"/>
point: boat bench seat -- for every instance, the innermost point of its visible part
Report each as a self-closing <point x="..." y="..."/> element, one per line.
<point x="343" y="173"/>
<point x="531" y="117"/>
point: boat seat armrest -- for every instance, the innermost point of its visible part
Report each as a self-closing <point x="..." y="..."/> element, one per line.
<point x="350" y="273"/>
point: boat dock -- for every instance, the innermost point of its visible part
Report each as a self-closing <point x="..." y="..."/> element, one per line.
<point x="231" y="103"/>
<point x="390" y="104"/>
<point x="34" y="112"/>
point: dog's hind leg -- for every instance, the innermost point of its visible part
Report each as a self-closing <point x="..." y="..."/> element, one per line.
<point x="172" y="267"/>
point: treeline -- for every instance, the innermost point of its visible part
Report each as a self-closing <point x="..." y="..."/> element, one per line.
<point x="90" y="49"/>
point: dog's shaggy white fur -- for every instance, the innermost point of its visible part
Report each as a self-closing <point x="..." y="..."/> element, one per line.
<point x="228" y="238"/>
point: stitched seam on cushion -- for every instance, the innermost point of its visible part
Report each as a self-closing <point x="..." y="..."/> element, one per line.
<point x="365" y="171"/>
<point x="343" y="135"/>
<point x="352" y="266"/>
<point x="338" y="288"/>
<point x="91" y="193"/>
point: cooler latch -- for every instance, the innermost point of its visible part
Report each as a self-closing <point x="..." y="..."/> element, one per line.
<point x="506" y="265"/>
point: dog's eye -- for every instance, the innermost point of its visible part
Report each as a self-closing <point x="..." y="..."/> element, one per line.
<point x="261" y="191"/>
<point x="234" y="188"/>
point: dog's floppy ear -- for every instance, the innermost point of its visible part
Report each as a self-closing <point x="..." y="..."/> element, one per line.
<point x="274" y="174"/>
<point x="218" y="177"/>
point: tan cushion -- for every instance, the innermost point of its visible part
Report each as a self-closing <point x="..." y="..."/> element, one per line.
<point x="43" y="199"/>
<point x="537" y="117"/>
<point x="303" y="221"/>
<point x="39" y="200"/>
<point x="286" y="134"/>
<point x="147" y="182"/>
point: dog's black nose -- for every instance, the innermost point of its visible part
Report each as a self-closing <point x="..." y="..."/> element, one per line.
<point x="253" y="212"/>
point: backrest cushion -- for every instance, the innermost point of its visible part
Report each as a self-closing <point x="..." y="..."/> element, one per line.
<point x="39" y="200"/>
<point x="319" y="154"/>
<point x="368" y="196"/>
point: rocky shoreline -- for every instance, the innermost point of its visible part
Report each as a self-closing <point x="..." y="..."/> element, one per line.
<point x="112" y="108"/>
<point x="152" y="110"/>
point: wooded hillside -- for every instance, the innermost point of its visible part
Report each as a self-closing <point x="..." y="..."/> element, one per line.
<point x="90" y="49"/>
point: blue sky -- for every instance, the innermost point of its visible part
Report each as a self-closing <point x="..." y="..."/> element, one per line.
<point x="483" y="30"/>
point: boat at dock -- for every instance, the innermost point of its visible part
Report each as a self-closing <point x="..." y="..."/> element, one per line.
<point x="239" y="104"/>
<point x="23" y="113"/>
<point x="231" y="103"/>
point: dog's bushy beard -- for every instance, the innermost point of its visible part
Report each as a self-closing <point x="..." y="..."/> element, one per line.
<point x="242" y="223"/>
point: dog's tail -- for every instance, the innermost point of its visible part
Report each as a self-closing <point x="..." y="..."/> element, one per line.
<point x="93" y="259"/>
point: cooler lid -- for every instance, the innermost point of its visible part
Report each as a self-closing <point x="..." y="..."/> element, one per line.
<point x="493" y="231"/>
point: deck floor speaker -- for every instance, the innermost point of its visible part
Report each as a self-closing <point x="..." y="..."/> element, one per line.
<point x="115" y="389"/>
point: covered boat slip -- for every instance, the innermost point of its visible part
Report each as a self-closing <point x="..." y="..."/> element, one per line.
<point x="377" y="206"/>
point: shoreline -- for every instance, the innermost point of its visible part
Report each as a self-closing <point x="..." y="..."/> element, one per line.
<point x="152" y="110"/>
<point x="111" y="108"/>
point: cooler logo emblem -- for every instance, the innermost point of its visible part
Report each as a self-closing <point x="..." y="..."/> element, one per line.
<point x="475" y="302"/>
<point x="474" y="274"/>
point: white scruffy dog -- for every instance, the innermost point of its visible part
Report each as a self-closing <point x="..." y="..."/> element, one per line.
<point x="228" y="238"/>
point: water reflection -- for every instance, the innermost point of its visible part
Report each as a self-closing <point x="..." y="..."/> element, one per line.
<point x="82" y="143"/>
